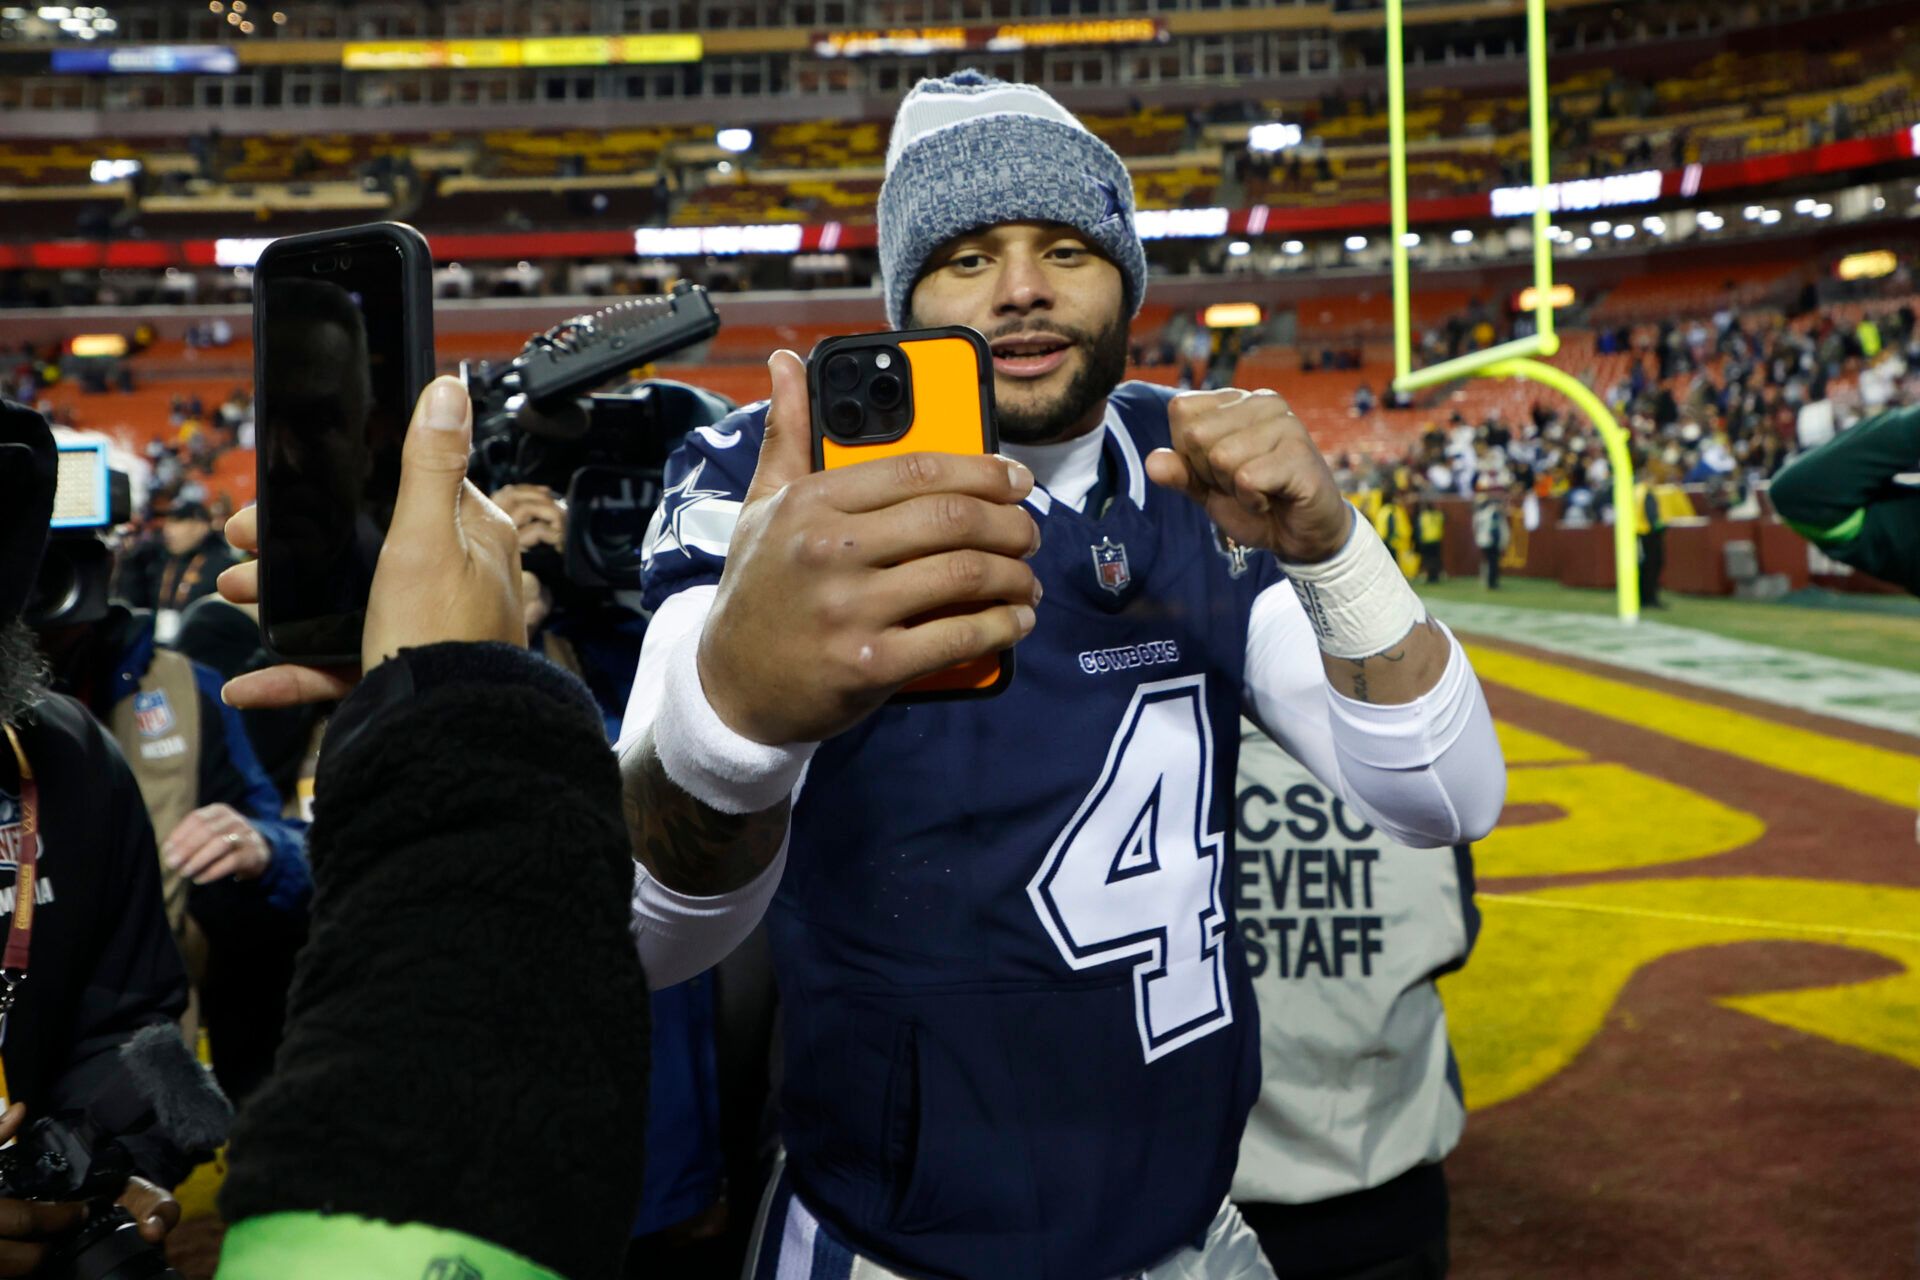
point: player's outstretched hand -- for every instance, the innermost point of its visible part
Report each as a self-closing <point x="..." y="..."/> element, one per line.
<point x="449" y="568"/>
<point x="841" y="586"/>
<point x="1246" y="459"/>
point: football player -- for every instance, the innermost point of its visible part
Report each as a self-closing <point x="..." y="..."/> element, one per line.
<point x="1019" y="1036"/>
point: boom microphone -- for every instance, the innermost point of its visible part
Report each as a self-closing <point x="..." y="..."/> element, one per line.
<point x="162" y="1086"/>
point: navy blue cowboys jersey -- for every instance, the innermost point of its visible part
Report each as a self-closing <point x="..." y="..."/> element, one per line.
<point x="1020" y="1038"/>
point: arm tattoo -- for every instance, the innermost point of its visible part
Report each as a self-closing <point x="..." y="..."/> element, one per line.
<point x="1396" y="654"/>
<point x="686" y="845"/>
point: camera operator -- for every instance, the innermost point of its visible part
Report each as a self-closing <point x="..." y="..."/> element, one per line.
<point x="229" y="859"/>
<point x="584" y="631"/>
<point x="89" y="961"/>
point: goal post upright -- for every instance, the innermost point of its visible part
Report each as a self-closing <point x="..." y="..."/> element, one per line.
<point x="1521" y="357"/>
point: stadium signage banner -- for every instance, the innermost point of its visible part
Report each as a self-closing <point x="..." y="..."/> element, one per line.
<point x="150" y="59"/>
<point x="681" y="242"/>
<point x="546" y="51"/>
<point x="1586" y="193"/>
<point x="1003" y="38"/>
<point x="1173" y="224"/>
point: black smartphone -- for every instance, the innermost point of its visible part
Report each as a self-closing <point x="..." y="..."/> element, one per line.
<point x="342" y="347"/>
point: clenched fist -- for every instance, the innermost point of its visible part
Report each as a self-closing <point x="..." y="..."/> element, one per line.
<point x="1246" y="459"/>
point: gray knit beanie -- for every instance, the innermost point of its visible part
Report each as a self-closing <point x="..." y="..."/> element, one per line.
<point x="971" y="151"/>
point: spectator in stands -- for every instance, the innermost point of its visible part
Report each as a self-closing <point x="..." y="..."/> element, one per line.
<point x="196" y="557"/>
<point x="1430" y="533"/>
<point x="1492" y="531"/>
<point x="1651" y="529"/>
<point x="1363" y="402"/>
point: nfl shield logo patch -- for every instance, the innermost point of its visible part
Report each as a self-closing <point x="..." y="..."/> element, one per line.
<point x="152" y="716"/>
<point x="1110" y="563"/>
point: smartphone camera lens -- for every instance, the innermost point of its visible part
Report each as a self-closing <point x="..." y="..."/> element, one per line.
<point x="843" y="373"/>
<point x="885" y="392"/>
<point x="345" y="262"/>
<point x="321" y="265"/>
<point x="847" y="417"/>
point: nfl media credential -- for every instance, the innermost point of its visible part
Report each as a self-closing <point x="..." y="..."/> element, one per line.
<point x="10" y="832"/>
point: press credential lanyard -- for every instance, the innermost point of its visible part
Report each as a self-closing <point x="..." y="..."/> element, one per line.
<point x="13" y="965"/>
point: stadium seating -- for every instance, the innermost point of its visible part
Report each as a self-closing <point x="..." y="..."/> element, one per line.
<point x="1733" y="105"/>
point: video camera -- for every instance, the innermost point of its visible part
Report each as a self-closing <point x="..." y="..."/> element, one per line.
<point x="89" y="498"/>
<point x="66" y="1157"/>
<point x="79" y="1155"/>
<point x="605" y="452"/>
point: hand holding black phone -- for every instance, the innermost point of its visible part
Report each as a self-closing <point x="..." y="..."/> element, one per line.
<point x="343" y="346"/>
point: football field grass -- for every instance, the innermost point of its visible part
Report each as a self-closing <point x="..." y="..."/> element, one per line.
<point x="1883" y="630"/>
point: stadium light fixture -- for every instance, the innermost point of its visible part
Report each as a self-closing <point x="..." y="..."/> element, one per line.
<point x="1803" y="205"/>
<point x="725" y="166"/>
<point x="1293" y="248"/>
<point x="1709" y="220"/>
<point x="734" y="140"/>
<point x="1601" y="228"/>
<point x="1823" y="210"/>
<point x="1411" y="239"/>
<point x="1356" y="243"/>
<point x="1582" y="244"/>
<point x="1239" y="248"/>
<point x="1463" y="236"/>
<point x="1879" y="203"/>
<point x="1770" y="216"/>
<point x="1753" y="212"/>
<point x="1623" y="232"/>
<point x="1274" y="137"/>
<point x="1654" y="223"/>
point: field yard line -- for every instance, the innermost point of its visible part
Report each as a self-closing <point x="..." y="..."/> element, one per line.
<point x="1692" y="917"/>
<point x="1882" y="697"/>
<point x="1875" y="772"/>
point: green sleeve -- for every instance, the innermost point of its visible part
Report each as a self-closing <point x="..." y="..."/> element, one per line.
<point x="1841" y="497"/>
<point x="317" y="1246"/>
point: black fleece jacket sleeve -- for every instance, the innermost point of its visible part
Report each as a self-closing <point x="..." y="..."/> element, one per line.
<point x="467" y="1031"/>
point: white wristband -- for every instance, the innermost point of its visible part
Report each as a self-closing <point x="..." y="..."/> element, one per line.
<point x="708" y="760"/>
<point x="1358" y="602"/>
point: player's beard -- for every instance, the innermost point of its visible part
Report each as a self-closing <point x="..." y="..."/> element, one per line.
<point x="1103" y="365"/>
<point x="23" y="672"/>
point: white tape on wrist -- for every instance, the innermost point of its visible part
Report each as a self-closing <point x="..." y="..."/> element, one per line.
<point x="708" y="760"/>
<point x="1358" y="602"/>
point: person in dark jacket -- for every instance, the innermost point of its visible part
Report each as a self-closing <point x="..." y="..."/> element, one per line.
<point x="234" y="874"/>
<point x="100" y="963"/>
<point x="196" y="557"/>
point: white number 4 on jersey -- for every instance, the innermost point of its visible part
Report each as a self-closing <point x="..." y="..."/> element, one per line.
<point x="1137" y="874"/>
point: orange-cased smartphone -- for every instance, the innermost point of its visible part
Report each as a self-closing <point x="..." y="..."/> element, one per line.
<point x="879" y="395"/>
